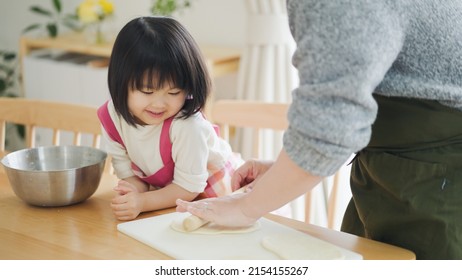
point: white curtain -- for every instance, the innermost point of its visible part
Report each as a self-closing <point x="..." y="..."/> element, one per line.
<point x="266" y="72"/>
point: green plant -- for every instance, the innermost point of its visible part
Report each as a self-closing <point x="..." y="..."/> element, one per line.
<point x="168" y="7"/>
<point x="8" y="83"/>
<point x="8" y="66"/>
<point x="55" y="18"/>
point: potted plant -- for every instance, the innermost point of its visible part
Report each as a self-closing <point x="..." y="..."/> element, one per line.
<point x="168" y="7"/>
<point x="93" y="14"/>
<point x="55" y="18"/>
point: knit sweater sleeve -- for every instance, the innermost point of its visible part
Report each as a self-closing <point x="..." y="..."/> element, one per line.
<point x="344" y="49"/>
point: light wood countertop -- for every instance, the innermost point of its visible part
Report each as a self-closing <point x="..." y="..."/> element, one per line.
<point x="89" y="231"/>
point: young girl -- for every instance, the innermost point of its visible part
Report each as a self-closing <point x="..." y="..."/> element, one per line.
<point x="161" y="145"/>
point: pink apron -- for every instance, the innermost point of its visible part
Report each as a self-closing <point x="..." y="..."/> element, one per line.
<point x="163" y="176"/>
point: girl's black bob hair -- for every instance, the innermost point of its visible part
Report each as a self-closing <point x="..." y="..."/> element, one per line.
<point x="156" y="51"/>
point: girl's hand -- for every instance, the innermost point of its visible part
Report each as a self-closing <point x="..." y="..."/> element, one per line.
<point x="124" y="187"/>
<point x="224" y="210"/>
<point x="247" y="173"/>
<point x="128" y="202"/>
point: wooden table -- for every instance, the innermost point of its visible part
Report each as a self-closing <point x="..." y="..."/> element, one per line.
<point x="89" y="231"/>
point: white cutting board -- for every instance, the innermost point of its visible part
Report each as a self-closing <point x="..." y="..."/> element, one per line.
<point x="156" y="232"/>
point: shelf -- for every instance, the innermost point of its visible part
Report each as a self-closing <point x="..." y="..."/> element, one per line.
<point x="221" y="60"/>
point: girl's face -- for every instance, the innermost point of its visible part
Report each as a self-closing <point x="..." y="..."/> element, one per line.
<point x="153" y="107"/>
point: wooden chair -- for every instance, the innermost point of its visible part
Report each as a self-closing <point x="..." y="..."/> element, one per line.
<point x="58" y="117"/>
<point x="78" y="120"/>
<point x="257" y="115"/>
<point x="231" y="114"/>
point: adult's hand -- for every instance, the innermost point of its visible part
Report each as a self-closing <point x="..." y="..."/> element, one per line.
<point x="249" y="172"/>
<point x="226" y="210"/>
<point x="273" y="185"/>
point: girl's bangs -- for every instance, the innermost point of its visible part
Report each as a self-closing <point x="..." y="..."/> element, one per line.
<point x="155" y="75"/>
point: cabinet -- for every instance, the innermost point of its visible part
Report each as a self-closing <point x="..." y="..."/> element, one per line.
<point x="220" y="60"/>
<point x="69" y="69"/>
<point x="64" y="77"/>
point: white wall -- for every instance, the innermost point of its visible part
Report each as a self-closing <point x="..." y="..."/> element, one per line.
<point x="217" y="22"/>
<point x="210" y="21"/>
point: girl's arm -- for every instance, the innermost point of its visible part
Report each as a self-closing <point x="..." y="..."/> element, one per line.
<point x="129" y="203"/>
<point x="165" y="197"/>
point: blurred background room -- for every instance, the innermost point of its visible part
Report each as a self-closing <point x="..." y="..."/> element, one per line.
<point x="247" y="43"/>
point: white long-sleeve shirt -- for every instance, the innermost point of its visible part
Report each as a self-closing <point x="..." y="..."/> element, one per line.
<point x="196" y="149"/>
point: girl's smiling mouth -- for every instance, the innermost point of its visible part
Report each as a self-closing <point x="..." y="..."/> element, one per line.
<point x="155" y="114"/>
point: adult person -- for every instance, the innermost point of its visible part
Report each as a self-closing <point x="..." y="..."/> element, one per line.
<point x="382" y="79"/>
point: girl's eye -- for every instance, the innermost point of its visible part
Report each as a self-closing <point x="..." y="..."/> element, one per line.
<point x="174" y="92"/>
<point x="146" y="91"/>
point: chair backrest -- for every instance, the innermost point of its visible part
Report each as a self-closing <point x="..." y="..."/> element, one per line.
<point x="257" y="115"/>
<point x="59" y="117"/>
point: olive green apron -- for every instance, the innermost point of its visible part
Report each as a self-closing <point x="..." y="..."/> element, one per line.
<point x="407" y="183"/>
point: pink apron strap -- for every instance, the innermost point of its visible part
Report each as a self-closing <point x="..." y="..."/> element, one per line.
<point x="108" y="124"/>
<point x="163" y="176"/>
<point x="165" y="144"/>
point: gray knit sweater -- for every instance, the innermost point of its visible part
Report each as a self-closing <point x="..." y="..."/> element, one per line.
<point x="349" y="49"/>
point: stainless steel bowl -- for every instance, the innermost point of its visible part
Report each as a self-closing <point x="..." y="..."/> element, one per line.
<point x="56" y="175"/>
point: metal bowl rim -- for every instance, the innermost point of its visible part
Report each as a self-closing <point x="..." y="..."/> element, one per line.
<point x="103" y="159"/>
